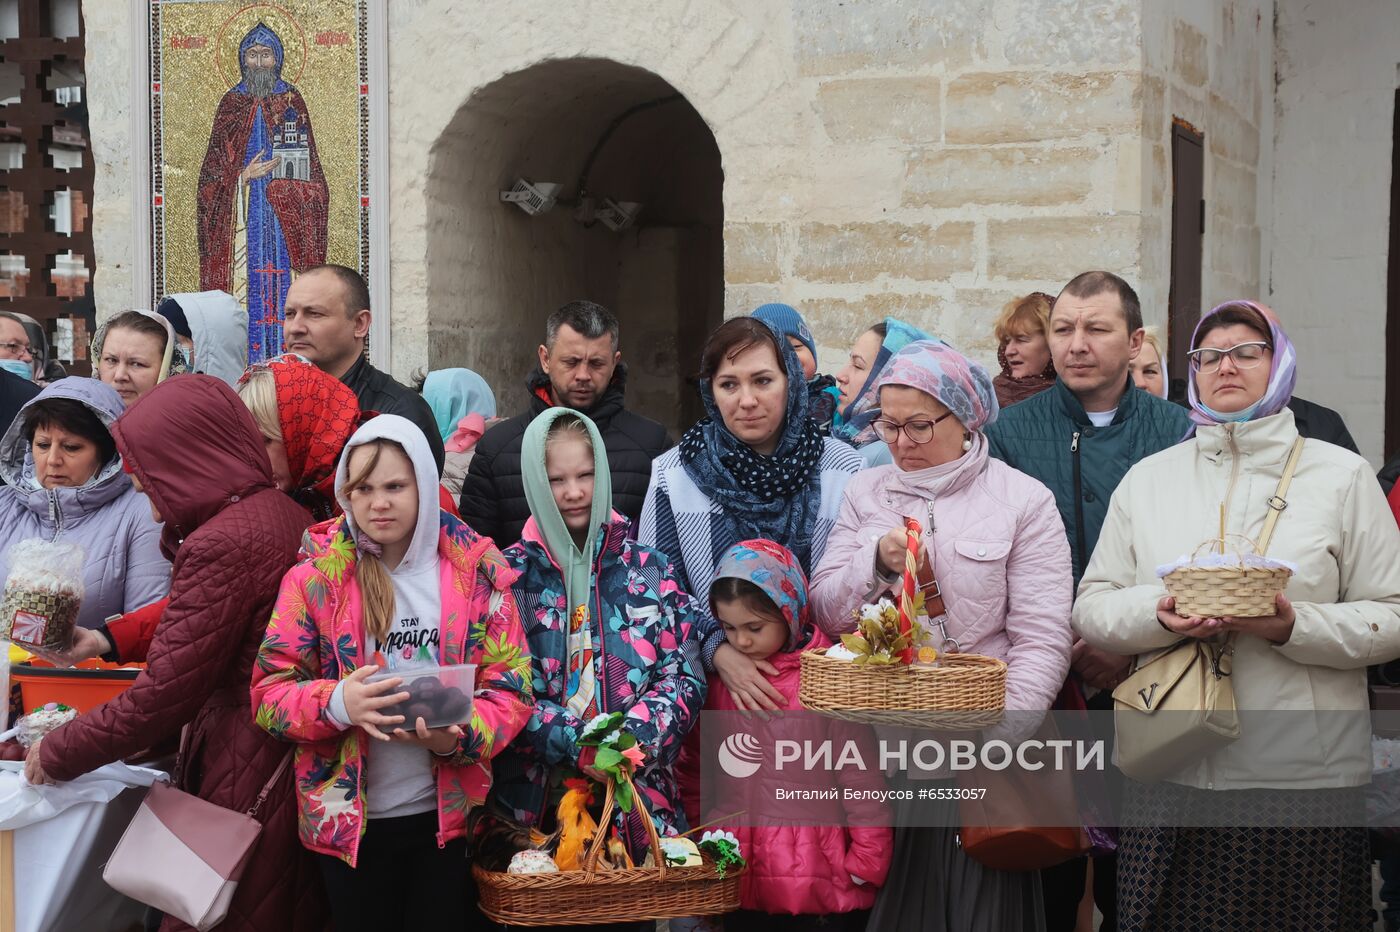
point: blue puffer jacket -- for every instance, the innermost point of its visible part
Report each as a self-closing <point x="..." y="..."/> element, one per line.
<point x="648" y="668"/>
<point x="123" y="567"/>
<point x="1050" y="437"/>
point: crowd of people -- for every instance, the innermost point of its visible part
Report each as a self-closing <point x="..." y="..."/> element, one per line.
<point x="282" y="544"/>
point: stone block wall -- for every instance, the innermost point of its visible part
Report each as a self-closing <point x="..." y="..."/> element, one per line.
<point x="946" y="158"/>
<point x="1331" y="209"/>
<point x="927" y="160"/>
<point x="1210" y="64"/>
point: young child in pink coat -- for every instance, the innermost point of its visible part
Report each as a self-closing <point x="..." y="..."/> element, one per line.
<point x="798" y="874"/>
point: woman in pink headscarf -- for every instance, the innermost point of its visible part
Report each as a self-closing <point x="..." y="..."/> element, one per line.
<point x="994" y="542"/>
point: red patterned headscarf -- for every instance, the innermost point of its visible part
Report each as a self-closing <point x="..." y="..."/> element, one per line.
<point x="317" y="413"/>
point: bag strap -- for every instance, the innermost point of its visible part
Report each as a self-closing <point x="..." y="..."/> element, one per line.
<point x="1277" y="502"/>
<point x="271" y="782"/>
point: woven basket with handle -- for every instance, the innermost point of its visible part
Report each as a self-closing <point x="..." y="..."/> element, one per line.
<point x="591" y="896"/>
<point x="1218" y="591"/>
<point x="964" y="692"/>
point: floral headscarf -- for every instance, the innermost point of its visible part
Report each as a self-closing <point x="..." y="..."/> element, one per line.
<point x="853" y="424"/>
<point x="1283" y="371"/>
<point x="773" y="568"/>
<point x="959" y="384"/>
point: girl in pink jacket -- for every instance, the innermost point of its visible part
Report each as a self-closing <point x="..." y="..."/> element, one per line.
<point x="798" y="875"/>
<point x="394" y="584"/>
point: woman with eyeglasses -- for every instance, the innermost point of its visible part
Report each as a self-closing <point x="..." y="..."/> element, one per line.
<point x="1299" y="675"/>
<point x="994" y="546"/>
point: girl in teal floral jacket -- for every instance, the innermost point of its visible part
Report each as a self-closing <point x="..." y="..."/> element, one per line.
<point x="394" y="584"/>
<point x="609" y="631"/>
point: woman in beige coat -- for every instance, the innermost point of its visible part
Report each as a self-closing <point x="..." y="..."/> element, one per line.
<point x="1340" y="612"/>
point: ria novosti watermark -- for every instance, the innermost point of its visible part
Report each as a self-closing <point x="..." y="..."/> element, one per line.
<point x="1303" y="767"/>
<point x="740" y="755"/>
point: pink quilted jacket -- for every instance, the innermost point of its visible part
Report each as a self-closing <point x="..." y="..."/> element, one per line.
<point x="999" y="554"/>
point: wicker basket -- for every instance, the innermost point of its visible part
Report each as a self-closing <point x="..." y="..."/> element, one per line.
<point x="591" y="896"/>
<point x="1220" y="591"/>
<point x="964" y="692"/>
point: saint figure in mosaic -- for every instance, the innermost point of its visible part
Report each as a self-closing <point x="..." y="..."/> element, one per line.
<point x="262" y="207"/>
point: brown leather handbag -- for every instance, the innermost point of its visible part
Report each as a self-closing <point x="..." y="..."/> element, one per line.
<point x="998" y="830"/>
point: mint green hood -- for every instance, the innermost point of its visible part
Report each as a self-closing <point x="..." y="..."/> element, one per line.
<point x="576" y="564"/>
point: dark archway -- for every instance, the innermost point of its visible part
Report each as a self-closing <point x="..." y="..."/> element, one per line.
<point x="494" y="273"/>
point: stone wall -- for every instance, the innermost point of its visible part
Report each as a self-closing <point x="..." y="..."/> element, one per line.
<point x="928" y="161"/>
<point x="1331" y="206"/>
<point x="940" y="159"/>
<point x="1210" y="64"/>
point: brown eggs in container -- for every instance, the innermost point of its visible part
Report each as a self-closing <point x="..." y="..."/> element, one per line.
<point x="441" y="696"/>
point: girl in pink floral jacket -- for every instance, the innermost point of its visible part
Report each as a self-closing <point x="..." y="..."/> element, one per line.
<point x="392" y="584"/>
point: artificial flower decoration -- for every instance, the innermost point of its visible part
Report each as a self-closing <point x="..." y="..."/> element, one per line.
<point x="616" y="754"/>
<point x="877" y="640"/>
<point x="723" y="849"/>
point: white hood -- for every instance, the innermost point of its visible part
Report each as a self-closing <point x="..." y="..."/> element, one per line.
<point x="219" y="328"/>
<point x="422" y="550"/>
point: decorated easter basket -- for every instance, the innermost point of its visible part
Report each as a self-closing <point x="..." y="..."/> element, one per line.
<point x="594" y="896"/>
<point x="953" y="692"/>
<point x="963" y="692"/>
<point x="1240" y="584"/>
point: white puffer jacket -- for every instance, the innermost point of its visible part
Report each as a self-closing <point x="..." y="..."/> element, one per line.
<point x="1341" y="535"/>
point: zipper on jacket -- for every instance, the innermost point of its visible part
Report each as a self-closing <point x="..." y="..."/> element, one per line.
<point x="602" y="656"/>
<point x="1079" y="556"/>
<point x="55" y="514"/>
<point x="1234" y="468"/>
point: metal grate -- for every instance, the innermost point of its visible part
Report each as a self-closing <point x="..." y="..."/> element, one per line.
<point x="46" y="172"/>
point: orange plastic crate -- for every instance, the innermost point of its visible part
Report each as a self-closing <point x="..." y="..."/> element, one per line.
<point x="84" y="687"/>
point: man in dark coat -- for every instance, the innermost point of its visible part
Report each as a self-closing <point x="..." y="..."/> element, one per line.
<point x="193" y="449"/>
<point x="15" y="392"/>
<point x="1321" y="423"/>
<point x="327" y="321"/>
<point x="1080" y="437"/>
<point x="580" y="368"/>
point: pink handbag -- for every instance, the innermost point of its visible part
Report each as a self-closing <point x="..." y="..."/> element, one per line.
<point x="184" y="855"/>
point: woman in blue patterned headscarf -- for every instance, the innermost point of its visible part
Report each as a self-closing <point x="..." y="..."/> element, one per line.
<point x="755" y="467"/>
<point x="859" y="402"/>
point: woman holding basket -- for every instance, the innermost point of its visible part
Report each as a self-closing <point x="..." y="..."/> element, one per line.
<point x="993" y="540"/>
<point x="1340" y="612"/>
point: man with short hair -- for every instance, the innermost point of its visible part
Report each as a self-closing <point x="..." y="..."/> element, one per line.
<point x="14" y="343"/>
<point x="1080" y="437"/>
<point x="328" y="319"/>
<point x="580" y="368"/>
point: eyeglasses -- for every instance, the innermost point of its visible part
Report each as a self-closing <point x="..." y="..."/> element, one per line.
<point x="18" y="349"/>
<point x="917" y="431"/>
<point x="1243" y="355"/>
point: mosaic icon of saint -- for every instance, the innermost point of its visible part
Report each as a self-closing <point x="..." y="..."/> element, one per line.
<point x="262" y="198"/>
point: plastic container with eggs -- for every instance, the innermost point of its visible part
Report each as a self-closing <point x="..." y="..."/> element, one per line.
<point x="441" y="696"/>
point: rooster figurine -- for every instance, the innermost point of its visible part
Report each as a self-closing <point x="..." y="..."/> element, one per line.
<point x="577" y="827"/>
<point x="614" y="855"/>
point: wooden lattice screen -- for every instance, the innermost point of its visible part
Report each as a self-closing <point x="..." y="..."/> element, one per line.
<point x="46" y="172"/>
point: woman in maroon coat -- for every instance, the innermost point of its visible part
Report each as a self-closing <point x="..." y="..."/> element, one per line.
<point x="192" y="447"/>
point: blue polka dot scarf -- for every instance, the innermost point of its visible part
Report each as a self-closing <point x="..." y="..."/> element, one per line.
<point x="774" y="497"/>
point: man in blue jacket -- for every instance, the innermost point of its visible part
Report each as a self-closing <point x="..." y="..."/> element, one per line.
<point x="1080" y="437"/>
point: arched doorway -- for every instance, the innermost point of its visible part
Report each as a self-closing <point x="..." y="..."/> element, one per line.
<point x="495" y="273"/>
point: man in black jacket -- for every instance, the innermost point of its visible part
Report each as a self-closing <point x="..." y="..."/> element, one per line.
<point x="328" y="317"/>
<point x="1321" y="423"/>
<point x="580" y="368"/>
<point x="15" y="392"/>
